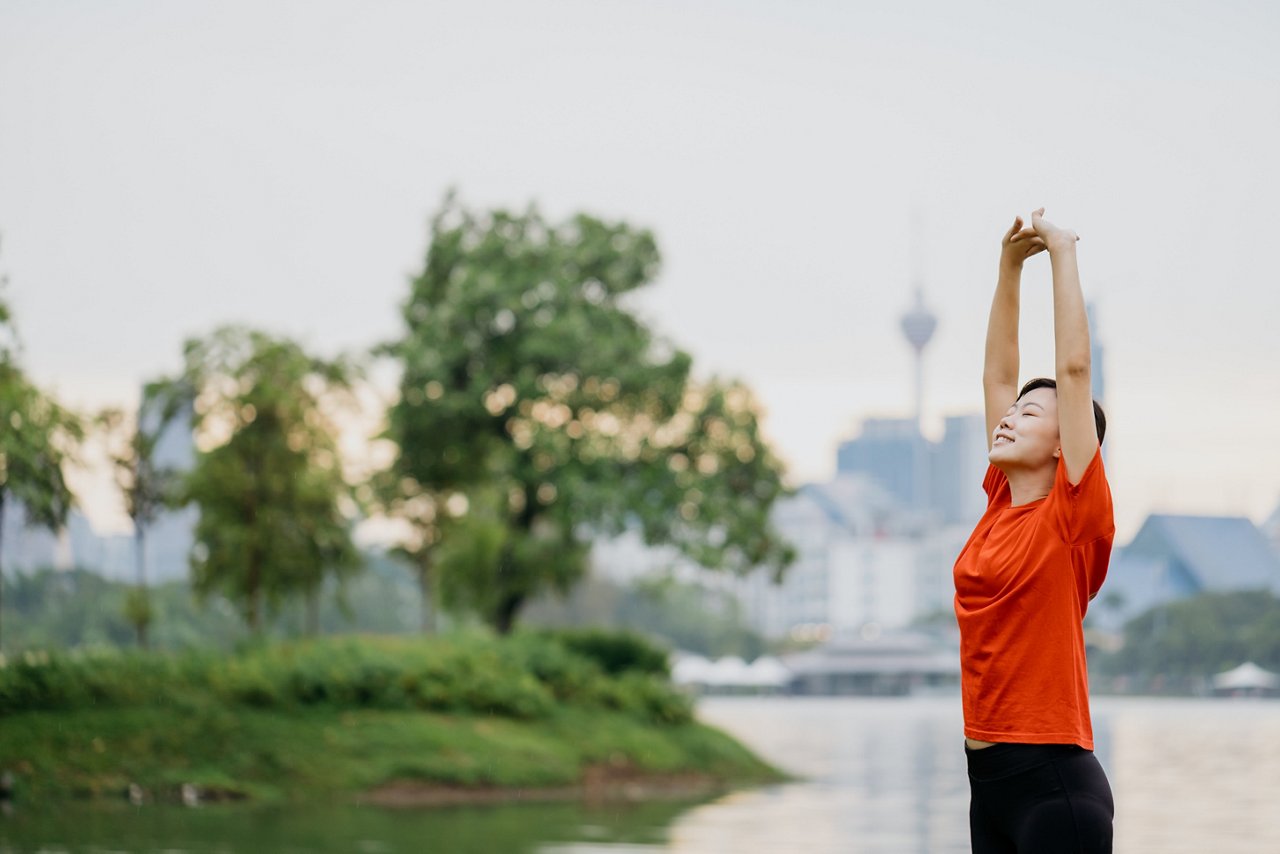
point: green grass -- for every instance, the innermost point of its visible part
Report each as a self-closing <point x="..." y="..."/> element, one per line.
<point x="341" y="715"/>
<point x="273" y="755"/>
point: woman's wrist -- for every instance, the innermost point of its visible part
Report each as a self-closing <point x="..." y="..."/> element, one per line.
<point x="1010" y="266"/>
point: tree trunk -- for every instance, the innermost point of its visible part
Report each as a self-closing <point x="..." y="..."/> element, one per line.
<point x="140" y="547"/>
<point x="312" y="627"/>
<point x="254" y="589"/>
<point x="505" y="619"/>
<point x="424" y="588"/>
<point x="2" y="497"/>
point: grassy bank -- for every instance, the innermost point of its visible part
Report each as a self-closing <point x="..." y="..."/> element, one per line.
<point x="393" y="719"/>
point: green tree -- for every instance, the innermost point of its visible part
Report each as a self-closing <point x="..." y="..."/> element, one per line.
<point x="148" y="488"/>
<point x="37" y="438"/>
<point x="1179" y="644"/>
<point x="541" y="412"/>
<point x="270" y="490"/>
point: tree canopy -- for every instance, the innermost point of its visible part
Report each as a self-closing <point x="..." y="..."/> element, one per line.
<point x="37" y="439"/>
<point x="538" y="411"/>
<point x="1178" y="645"/>
<point x="269" y="486"/>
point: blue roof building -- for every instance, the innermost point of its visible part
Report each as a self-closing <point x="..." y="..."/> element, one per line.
<point x="1177" y="557"/>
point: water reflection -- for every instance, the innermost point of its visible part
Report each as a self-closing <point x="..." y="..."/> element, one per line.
<point x="887" y="776"/>
<point x="221" y="829"/>
<point x="881" y="775"/>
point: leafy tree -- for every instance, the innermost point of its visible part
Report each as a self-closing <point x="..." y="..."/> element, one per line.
<point x="37" y="437"/>
<point x="540" y="412"/>
<point x="149" y="488"/>
<point x="270" y="489"/>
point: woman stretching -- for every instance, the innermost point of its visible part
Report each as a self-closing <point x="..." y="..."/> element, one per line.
<point x="1025" y="577"/>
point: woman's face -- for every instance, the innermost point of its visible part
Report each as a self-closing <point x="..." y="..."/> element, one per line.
<point x="1027" y="435"/>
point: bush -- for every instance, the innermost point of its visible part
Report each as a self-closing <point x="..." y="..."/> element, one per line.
<point x="40" y="680"/>
<point x="438" y="675"/>
<point x="616" y="652"/>
<point x="648" y="698"/>
<point x="524" y="676"/>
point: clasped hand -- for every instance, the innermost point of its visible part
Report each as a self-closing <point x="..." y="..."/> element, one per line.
<point x="1021" y="243"/>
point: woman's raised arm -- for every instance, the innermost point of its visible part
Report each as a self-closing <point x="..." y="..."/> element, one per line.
<point x="1000" y="370"/>
<point x="1078" y="432"/>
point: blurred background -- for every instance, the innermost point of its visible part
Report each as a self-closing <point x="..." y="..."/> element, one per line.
<point x="733" y="243"/>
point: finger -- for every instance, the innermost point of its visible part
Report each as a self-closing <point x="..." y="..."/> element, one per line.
<point x="1037" y="212"/>
<point x="1017" y="224"/>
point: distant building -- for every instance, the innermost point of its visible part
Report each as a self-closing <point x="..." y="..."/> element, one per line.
<point x="894" y="454"/>
<point x="959" y="463"/>
<point x="943" y="479"/>
<point x="864" y="564"/>
<point x="1177" y="557"/>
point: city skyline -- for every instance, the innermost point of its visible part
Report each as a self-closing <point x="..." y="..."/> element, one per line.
<point x="165" y="169"/>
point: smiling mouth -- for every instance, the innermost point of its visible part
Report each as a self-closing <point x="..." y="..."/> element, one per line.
<point x="1002" y="440"/>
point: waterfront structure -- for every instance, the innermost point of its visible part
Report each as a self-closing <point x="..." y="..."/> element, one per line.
<point x="1247" y="680"/>
<point x="894" y="664"/>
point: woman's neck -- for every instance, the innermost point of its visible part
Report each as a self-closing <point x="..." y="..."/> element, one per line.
<point x="1027" y="485"/>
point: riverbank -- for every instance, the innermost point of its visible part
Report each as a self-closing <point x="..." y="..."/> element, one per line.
<point x="387" y="757"/>
<point x="371" y="720"/>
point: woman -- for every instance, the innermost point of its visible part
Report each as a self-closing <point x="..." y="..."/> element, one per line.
<point x="1025" y="577"/>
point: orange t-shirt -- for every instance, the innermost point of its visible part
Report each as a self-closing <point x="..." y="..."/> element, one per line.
<point x="1023" y="583"/>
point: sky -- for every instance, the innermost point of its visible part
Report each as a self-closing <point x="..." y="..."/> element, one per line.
<point x="169" y="167"/>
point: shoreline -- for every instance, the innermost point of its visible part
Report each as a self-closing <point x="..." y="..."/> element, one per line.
<point x="601" y="784"/>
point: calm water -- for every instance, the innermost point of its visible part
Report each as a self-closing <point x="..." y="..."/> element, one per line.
<point x="880" y="775"/>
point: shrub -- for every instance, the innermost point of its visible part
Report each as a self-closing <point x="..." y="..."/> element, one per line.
<point x="524" y="676"/>
<point x="616" y="652"/>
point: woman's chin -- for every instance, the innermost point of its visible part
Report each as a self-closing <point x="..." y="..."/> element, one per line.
<point x="1001" y="454"/>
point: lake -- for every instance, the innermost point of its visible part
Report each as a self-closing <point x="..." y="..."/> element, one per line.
<point x="879" y="775"/>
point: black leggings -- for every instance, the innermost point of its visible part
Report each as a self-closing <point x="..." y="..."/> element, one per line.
<point x="1040" y="798"/>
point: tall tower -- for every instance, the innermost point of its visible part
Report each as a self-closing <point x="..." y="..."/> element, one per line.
<point x="918" y="325"/>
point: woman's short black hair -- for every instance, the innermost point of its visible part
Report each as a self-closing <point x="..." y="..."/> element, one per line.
<point x="1099" y="417"/>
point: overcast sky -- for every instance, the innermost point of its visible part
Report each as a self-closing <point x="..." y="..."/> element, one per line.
<point x="168" y="167"/>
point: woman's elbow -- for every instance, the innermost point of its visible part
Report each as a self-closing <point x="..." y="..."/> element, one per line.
<point x="1074" y="369"/>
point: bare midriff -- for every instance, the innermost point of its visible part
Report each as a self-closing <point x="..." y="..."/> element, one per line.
<point x="974" y="744"/>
